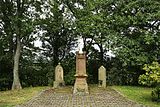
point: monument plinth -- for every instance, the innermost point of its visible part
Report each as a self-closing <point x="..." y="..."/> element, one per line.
<point x="81" y="76"/>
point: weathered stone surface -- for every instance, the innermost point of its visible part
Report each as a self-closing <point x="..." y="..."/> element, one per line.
<point x="97" y="98"/>
<point x="59" y="76"/>
<point x="81" y="76"/>
<point x="102" y="76"/>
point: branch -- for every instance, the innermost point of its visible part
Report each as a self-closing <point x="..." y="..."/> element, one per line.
<point x="70" y="8"/>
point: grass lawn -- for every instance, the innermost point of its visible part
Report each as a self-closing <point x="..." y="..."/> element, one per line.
<point x="141" y="95"/>
<point x="11" y="98"/>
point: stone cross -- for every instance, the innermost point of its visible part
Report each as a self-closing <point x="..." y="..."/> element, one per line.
<point x="102" y="77"/>
<point x="58" y="76"/>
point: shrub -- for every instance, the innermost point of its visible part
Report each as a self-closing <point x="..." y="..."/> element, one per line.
<point x="152" y="78"/>
<point x="156" y="94"/>
<point x="69" y="77"/>
<point x="152" y="75"/>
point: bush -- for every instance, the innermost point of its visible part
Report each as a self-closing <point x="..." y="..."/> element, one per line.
<point x="152" y="75"/>
<point x="5" y="84"/>
<point x="156" y="94"/>
<point x="69" y="77"/>
<point x="152" y="78"/>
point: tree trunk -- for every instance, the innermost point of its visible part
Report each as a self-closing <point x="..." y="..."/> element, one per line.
<point x="101" y="51"/>
<point x="16" y="82"/>
<point x="101" y="54"/>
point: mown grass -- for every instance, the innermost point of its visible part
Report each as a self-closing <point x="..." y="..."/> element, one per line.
<point x="12" y="98"/>
<point x="141" y="95"/>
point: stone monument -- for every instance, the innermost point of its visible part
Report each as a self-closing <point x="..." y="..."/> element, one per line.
<point x="102" y="77"/>
<point x="59" y="82"/>
<point x="81" y="76"/>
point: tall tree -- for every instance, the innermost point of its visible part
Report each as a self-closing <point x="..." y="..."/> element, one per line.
<point x="130" y="28"/>
<point x="91" y="25"/>
<point x="17" y="26"/>
<point x="136" y="23"/>
<point x="58" y="39"/>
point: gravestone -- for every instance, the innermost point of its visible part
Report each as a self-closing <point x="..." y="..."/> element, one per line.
<point x="59" y="82"/>
<point x="80" y="85"/>
<point x="102" y="77"/>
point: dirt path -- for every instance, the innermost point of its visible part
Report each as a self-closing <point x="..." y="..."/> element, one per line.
<point x="98" y="97"/>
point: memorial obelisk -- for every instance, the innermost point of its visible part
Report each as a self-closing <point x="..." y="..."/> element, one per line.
<point x="81" y="76"/>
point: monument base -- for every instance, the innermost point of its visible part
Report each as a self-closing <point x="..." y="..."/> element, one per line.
<point x="80" y="85"/>
<point x="102" y="83"/>
<point x="58" y="84"/>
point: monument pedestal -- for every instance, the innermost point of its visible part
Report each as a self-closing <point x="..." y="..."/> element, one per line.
<point x="80" y="85"/>
<point x="58" y="84"/>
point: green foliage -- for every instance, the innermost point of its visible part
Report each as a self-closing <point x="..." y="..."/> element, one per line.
<point x="152" y="75"/>
<point x="69" y="66"/>
<point x="129" y="28"/>
<point x="69" y="77"/>
<point x="156" y="94"/>
<point x="92" y="70"/>
<point x="36" y="72"/>
<point x="137" y="36"/>
<point x="5" y="73"/>
<point x="58" y="38"/>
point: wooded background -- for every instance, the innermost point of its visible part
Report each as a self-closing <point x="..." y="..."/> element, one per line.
<point x="128" y="28"/>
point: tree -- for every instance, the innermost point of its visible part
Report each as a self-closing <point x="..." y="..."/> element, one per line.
<point x="129" y="28"/>
<point x="137" y="26"/>
<point x="58" y="39"/>
<point x="92" y="26"/>
<point x="17" y="27"/>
